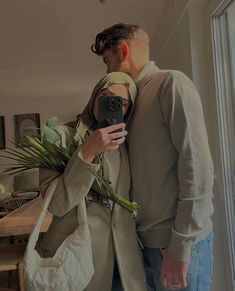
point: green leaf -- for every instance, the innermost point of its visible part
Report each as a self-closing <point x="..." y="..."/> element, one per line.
<point x="52" y="121"/>
<point x="50" y="134"/>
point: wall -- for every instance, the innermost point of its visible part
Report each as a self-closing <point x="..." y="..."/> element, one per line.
<point x="187" y="46"/>
<point x="172" y="47"/>
<point x="45" y="67"/>
<point x="44" y="53"/>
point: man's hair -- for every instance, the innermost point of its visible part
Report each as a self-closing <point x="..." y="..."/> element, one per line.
<point x="110" y="37"/>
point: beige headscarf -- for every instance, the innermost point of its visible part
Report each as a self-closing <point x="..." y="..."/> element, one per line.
<point x="86" y="119"/>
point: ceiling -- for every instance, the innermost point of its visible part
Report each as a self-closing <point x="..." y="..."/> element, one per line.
<point x="45" y="45"/>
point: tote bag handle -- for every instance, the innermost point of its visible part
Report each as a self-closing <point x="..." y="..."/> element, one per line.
<point x="81" y="213"/>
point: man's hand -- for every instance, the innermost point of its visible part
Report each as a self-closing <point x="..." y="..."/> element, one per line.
<point x="173" y="272"/>
<point x="103" y="139"/>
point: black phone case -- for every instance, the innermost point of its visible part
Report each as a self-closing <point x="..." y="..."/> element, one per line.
<point x="109" y="110"/>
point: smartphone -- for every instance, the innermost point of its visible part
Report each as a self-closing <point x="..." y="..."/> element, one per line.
<point x="109" y="111"/>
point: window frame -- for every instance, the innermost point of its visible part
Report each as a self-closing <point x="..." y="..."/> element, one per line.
<point x="226" y="118"/>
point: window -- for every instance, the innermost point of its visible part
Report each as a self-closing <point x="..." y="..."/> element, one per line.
<point x="223" y="23"/>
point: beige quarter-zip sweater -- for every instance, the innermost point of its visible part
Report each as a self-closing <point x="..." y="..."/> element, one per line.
<point x="172" y="169"/>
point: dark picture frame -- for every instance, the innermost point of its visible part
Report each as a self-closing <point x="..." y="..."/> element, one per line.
<point x="2" y="133"/>
<point x="26" y="125"/>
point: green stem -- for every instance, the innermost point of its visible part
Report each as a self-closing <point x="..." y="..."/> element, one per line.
<point x="107" y="191"/>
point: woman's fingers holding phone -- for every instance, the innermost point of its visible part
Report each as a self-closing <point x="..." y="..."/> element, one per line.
<point x="116" y="131"/>
<point x="117" y="135"/>
<point x="103" y="139"/>
<point x="114" y="127"/>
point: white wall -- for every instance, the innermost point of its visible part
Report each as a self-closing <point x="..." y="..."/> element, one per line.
<point x="171" y="45"/>
<point x="187" y="46"/>
<point x="46" y="65"/>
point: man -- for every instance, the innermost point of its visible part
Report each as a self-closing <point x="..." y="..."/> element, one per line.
<point x="172" y="170"/>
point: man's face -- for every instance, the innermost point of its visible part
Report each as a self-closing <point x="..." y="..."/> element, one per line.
<point x="113" y="62"/>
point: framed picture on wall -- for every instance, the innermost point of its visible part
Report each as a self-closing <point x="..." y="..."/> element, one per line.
<point x="2" y="133"/>
<point x="26" y="125"/>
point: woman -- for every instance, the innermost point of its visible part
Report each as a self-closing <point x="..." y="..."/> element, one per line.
<point x="116" y="257"/>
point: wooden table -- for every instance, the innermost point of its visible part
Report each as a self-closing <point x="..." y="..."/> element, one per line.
<point x="22" y="220"/>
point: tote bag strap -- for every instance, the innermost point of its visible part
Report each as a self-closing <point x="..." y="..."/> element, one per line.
<point x="81" y="213"/>
<point x="35" y="233"/>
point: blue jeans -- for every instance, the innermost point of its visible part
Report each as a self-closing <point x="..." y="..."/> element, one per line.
<point x="199" y="272"/>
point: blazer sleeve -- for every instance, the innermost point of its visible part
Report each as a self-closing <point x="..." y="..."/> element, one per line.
<point x="182" y="111"/>
<point x="72" y="186"/>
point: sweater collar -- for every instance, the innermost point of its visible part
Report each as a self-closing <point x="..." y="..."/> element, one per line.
<point x="148" y="70"/>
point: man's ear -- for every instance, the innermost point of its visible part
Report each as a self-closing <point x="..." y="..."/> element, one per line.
<point x="124" y="50"/>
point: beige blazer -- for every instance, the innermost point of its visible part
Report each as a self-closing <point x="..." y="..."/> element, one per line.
<point x="113" y="232"/>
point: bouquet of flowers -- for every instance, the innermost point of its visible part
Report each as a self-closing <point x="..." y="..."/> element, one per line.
<point x="49" y="153"/>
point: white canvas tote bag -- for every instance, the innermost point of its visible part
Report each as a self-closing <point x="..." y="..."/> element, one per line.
<point x="71" y="268"/>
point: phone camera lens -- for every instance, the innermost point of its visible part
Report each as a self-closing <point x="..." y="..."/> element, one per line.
<point x="107" y="122"/>
<point x="115" y="103"/>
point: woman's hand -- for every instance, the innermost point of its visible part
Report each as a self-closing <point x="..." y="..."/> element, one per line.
<point x="102" y="140"/>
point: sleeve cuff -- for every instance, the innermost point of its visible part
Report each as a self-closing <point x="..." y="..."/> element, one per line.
<point x="180" y="246"/>
<point x="80" y="155"/>
<point x="78" y="167"/>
